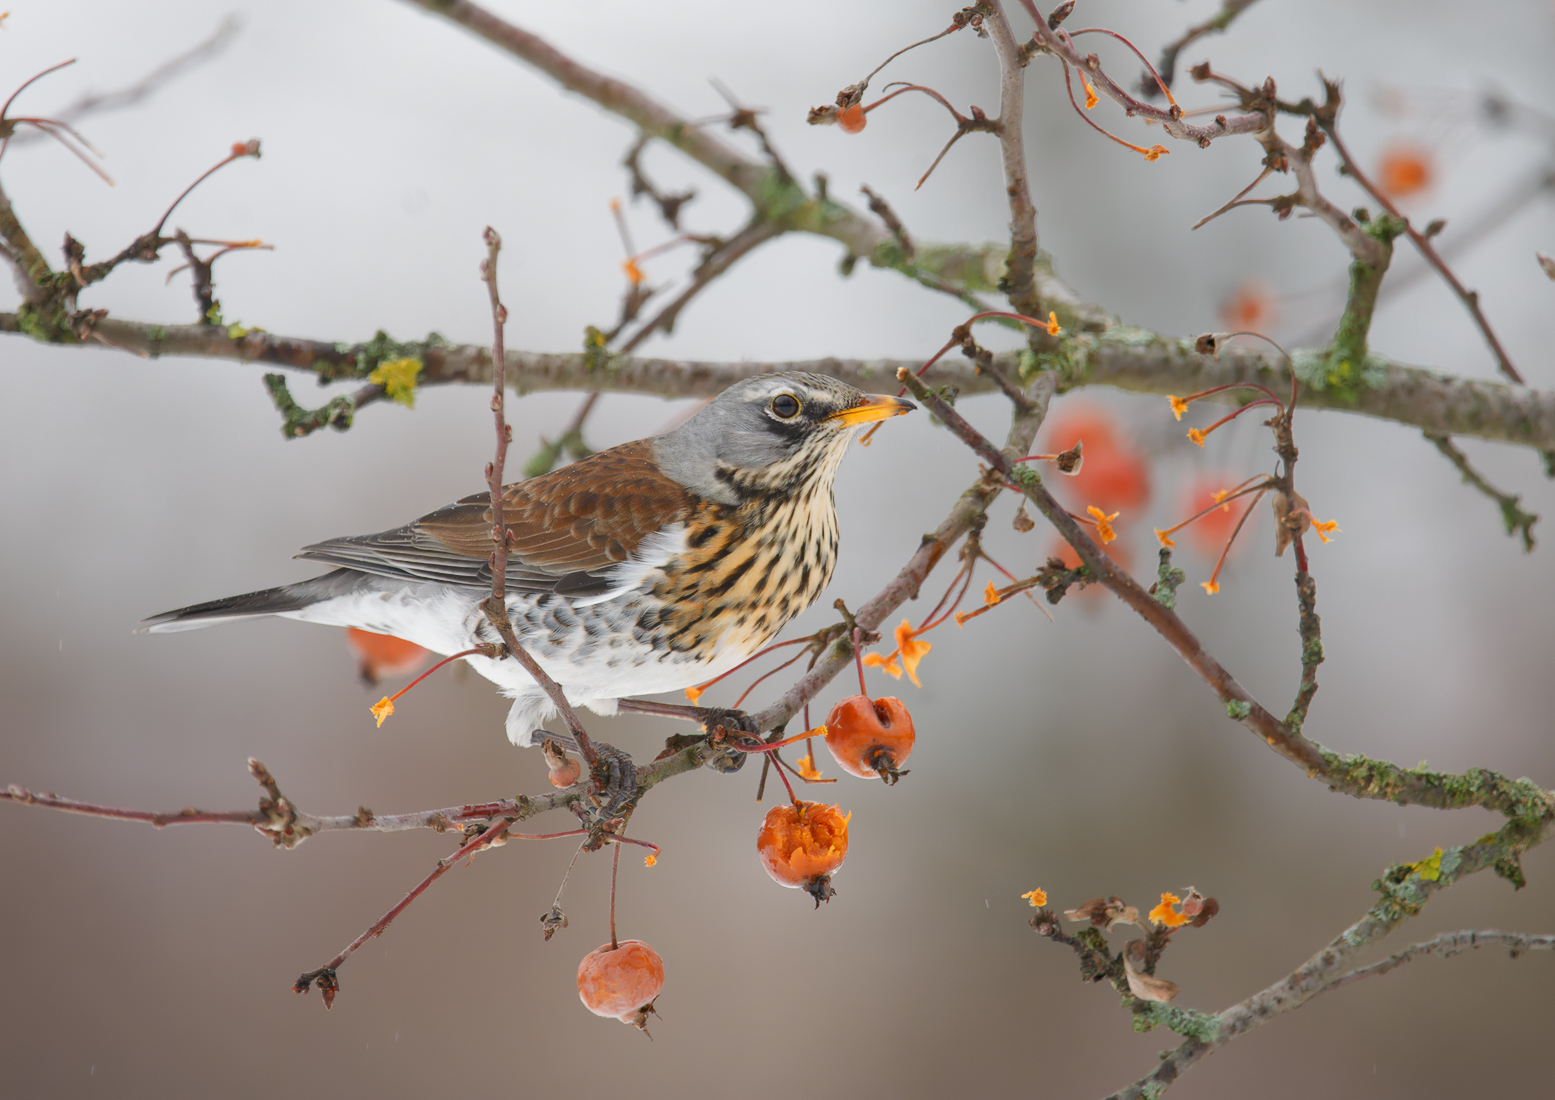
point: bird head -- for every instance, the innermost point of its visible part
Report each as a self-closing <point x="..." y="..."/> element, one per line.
<point x="771" y="433"/>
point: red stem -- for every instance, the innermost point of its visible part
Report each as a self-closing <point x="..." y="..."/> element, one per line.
<point x="384" y="921"/>
<point x="428" y="672"/>
<point x="757" y="683"/>
<point x="615" y="867"/>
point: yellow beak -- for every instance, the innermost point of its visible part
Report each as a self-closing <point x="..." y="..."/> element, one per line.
<point x="873" y="407"/>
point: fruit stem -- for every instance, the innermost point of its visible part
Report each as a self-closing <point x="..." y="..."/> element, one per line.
<point x="615" y="866"/>
<point x="858" y="661"/>
<point x="789" y="787"/>
<point x="468" y="652"/>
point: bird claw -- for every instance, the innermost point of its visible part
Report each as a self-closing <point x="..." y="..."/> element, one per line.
<point x="613" y="797"/>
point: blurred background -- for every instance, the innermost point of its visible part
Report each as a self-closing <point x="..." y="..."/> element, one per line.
<point x="1078" y="755"/>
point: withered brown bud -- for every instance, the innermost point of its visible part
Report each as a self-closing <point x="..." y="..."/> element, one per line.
<point x="851" y="95"/>
<point x="1104" y="913"/>
<point x="1059" y="14"/>
<point x="552" y="921"/>
<point x="823" y="116"/>
<point x="1145" y="986"/>
<point x="1208" y="344"/>
<point x="1286" y="524"/>
<point x="1435" y="227"/>
<point x="1070" y="461"/>
<point x="1022" y="521"/>
<point x="1211" y="907"/>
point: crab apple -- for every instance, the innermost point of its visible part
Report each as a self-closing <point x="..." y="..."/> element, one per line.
<point x="852" y="120"/>
<point x="564" y="769"/>
<point x="1405" y="170"/>
<point x="802" y="844"/>
<point x="382" y="655"/>
<point x="621" y="981"/>
<point x="870" y="737"/>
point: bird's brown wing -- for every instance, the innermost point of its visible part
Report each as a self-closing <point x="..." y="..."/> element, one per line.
<point x="567" y="528"/>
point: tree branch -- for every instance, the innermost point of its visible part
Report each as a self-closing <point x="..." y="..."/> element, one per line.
<point x="1021" y="268"/>
<point x="1405" y="891"/>
<point x="1517" y="521"/>
<point x="1447" y="945"/>
<point x="1359" y="777"/>
<point x="1122" y="356"/>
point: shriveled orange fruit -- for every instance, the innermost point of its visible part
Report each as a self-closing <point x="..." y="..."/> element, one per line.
<point x="621" y="982"/>
<point x="852" y="120"/>
<point x="1405" y="170"/>
<point x="1249" y="309"/>
<point x="870" y="737"/>
<point x="380" y="655"/>
<point x="801" y="845"/>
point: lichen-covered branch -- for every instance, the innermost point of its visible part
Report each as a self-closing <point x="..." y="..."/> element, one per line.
<point x="1446" y="946"/>
<point x="1405" y="890"/>
<point x="1517" y="521"/>
<point x="1098" y="353"/>
<point x="1521" y="800"/>
<point x="1020" y="276"/>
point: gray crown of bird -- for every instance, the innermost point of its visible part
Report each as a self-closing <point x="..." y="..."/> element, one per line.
<point x="645" y="568"/>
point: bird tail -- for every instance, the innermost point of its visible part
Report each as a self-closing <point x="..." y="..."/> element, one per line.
<point x="251" y="605"/>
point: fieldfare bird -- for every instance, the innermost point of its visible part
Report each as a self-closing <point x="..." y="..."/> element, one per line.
<point x="644" y="568"/>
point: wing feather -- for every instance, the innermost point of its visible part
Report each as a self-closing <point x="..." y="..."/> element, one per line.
<point x="576" y="523"/>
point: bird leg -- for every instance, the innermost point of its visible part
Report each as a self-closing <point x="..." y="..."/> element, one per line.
<point x="725" y="726"/>
<point x="727" y="718"/>
<point x="613" y="799"/>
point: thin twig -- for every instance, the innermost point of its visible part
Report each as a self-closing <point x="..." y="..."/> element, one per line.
<point x="495" y="606"/>
<point x="328" y="983"/>
<point x="1517" y="521"/>
<point x="1469" y="298"/>
<point x="1023" y="296"/>
<point x="1447" y="945"/>
<point x="1229" y="10"/>
<point x="102" y="102"/>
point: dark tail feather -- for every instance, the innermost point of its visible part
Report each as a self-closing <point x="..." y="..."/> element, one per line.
<point x="272" y="601"/>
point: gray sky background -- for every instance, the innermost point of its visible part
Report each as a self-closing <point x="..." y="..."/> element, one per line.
<point x="1078" y="755"/>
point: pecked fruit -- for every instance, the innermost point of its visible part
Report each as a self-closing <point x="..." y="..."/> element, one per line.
<point x="870" y="737"/>
<point x="802" y="844"/>
<point x="564" y="770"/>
<point x="621" y="982"/>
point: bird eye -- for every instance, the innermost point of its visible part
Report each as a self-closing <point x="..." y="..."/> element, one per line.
<point x="785" y="406"/>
